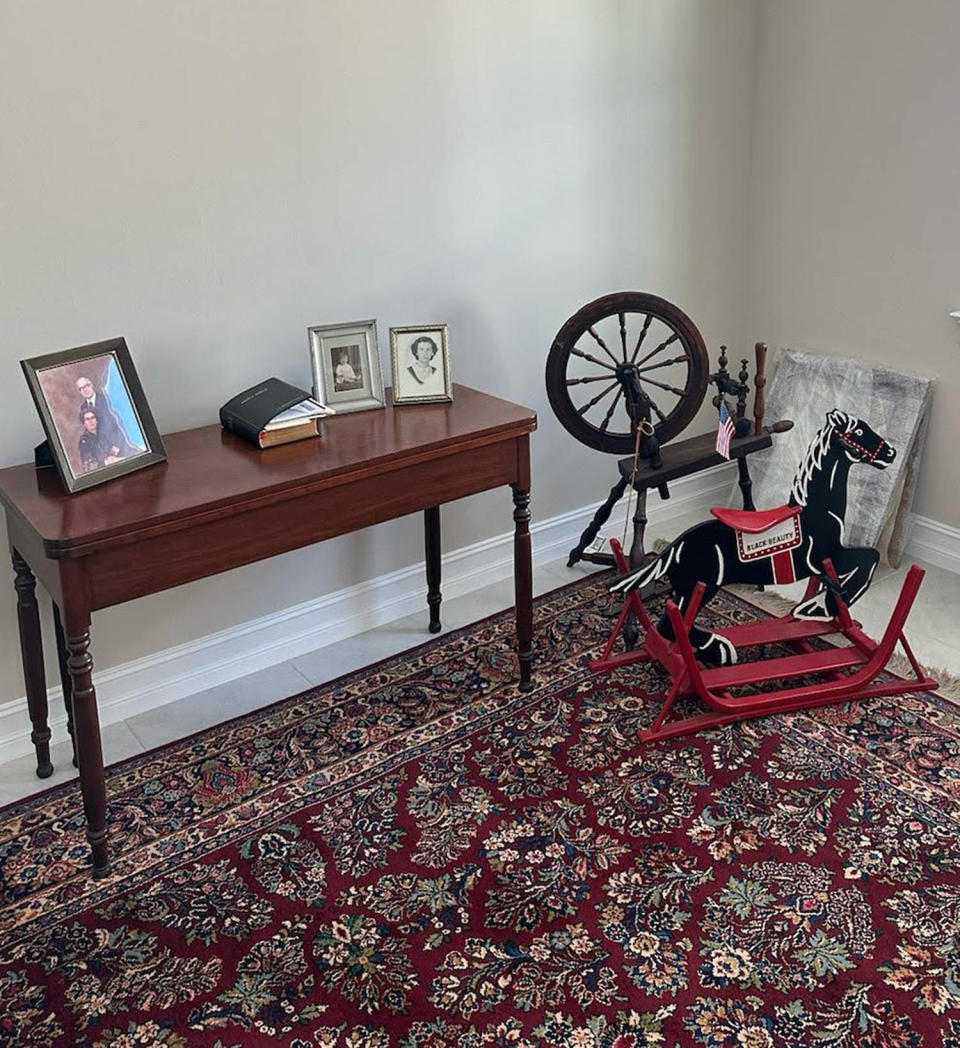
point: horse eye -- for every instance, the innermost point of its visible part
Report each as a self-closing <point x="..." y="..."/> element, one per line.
<point x="858" y="432"/>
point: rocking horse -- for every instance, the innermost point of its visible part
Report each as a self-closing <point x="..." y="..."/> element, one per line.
<point x="801" y="540"/>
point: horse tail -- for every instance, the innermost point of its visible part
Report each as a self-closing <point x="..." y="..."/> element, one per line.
<point x="650" y="572"/>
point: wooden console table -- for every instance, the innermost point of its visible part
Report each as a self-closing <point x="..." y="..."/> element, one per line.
<point x="218" y="503"/>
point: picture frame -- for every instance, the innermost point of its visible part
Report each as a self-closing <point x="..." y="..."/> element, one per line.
<point x="345" y="359"/>
<point x="420" y="363"/>
<point x="94" y="413"/>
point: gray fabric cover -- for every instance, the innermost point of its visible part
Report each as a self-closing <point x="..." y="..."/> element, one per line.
<point x="804" y="388"/>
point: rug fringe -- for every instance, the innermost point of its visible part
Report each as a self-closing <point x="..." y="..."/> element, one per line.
<point x="772" y="602"/>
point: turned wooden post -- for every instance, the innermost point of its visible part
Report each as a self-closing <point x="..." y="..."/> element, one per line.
<point x="65" y="683"/>
<point x="89" y="751"/>
<point x="523" y="582"/>
<point x="31" y="651"/>
<point x="431" y="531"/>
<point x="742" y="393"/>
<point x="759" y="381"/>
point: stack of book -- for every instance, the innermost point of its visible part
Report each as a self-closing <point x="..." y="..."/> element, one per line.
<point x="273" y="412"/>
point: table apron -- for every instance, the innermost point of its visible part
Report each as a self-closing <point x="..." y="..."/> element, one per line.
<point x="161" y="562"/>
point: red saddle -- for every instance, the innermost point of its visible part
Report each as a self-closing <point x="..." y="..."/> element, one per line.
<point x="754" y="521"/>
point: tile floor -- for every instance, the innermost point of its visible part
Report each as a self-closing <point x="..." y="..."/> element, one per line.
<point x="933" y="629"/>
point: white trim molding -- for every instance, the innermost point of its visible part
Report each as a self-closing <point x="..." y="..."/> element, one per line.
<point x="142" y="684"/>
<point x="936" y="543"/>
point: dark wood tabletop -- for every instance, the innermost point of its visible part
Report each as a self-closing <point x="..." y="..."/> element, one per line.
<point x="210" y="472"/>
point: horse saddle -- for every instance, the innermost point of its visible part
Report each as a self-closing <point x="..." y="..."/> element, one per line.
<point x="765" y="533"/>
<point x="753" y="521"/>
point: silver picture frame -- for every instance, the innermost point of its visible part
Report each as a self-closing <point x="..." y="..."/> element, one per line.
<point x="345" y="359"/>
<point x="416" y="380"/>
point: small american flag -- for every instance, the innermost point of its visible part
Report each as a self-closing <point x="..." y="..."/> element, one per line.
<point x="724" y="431"/>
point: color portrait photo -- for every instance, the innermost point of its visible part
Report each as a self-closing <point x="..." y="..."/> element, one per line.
<point x="92" y="412"/>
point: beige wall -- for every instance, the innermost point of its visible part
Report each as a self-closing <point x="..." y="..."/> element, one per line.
<point x="210" y="178"/>
<point x="855" y="190"/>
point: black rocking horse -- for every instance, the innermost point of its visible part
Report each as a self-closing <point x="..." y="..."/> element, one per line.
<point x="785" y="544"/>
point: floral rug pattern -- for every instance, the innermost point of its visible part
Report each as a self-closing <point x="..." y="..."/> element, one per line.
<point x="418" y="855"/>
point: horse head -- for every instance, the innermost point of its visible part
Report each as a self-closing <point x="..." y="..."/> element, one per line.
<point x="858" y="441"/>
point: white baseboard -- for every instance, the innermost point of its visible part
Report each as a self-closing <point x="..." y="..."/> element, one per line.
<point x="935" y="543"/>
<point x="142" y="684"/>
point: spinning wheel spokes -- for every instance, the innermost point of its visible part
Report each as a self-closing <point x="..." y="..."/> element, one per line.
<point x="597" y="422"/>
<point x="653" y="352"/>
<point x="596" y="400"/>
<point x="648" y="320"/>
<point x="589" y="378"/>
<point x="660" y="415"/>
<point x="603" y="346"/>
<point x="663" y="385"/>
<point x="609" y="415"/>
<point x="666" y="363"/>
<point x="593" y="360"/>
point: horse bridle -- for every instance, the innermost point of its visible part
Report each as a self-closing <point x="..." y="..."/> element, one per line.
<point x="869" y="456"/>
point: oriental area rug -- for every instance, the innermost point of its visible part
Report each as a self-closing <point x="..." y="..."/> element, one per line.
<point x="418" y="855"/>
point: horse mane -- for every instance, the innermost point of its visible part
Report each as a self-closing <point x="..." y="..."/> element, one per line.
<point x="811" y="464"/>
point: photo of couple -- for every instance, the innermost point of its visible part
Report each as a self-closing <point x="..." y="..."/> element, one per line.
<point x="93" y="413"/>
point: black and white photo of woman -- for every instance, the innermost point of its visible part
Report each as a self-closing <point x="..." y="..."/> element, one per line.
<point x="425" y="375"/>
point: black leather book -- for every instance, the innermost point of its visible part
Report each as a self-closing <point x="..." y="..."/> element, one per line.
<point x="248" y="413"/>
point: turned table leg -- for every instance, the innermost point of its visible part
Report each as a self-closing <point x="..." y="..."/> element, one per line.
<point x="31" y="650"/>
<point x="431" y="533"/>
<point x="89" y="750"/>
<point x="523" y="583"/>
<point x="65" y="682"/>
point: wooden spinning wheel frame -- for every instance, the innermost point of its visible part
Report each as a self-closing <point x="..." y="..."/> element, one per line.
<point x="651" y="367"/>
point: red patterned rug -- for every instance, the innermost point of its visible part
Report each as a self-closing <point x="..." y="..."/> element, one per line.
<point x="417" y="855"/>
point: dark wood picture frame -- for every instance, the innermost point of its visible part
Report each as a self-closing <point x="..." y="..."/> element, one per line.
<point x="34" y="367"/>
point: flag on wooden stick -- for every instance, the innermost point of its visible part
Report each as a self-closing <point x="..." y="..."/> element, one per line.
<point x="725" y="430"/>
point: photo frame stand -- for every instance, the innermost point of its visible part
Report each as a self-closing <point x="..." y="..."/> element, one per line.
<point x="43" y="456"/>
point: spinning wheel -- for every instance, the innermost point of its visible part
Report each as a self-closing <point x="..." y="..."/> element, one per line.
<point x="626" y="374"/>
<point x="624" y="360"/>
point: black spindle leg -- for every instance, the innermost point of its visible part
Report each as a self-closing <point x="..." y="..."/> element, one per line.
<point x="523" y="583"/>
<point x="431" y="532"/>
<point x="631" y="630"/>
<point x="746" y="484"/>
<point x="599" y="519"/>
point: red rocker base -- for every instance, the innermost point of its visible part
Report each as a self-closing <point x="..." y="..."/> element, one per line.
<point x="849" y="672"/>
